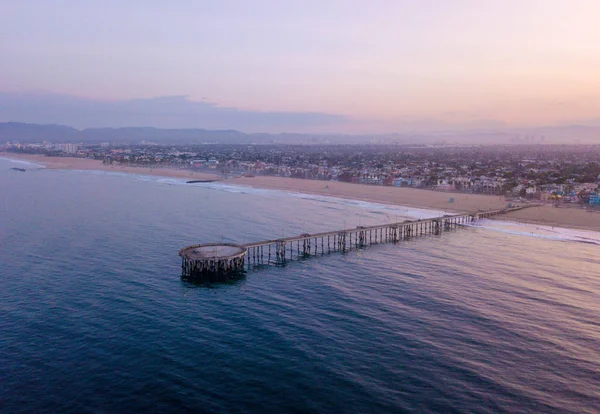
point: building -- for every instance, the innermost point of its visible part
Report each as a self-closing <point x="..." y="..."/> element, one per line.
<point x="68" y="148"/>
<point x="398" y="182"/>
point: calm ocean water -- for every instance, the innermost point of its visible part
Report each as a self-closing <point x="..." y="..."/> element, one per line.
<point x="94" y="316"/>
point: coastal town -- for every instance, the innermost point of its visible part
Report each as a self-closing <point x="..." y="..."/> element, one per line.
<point x="558" y="174"/>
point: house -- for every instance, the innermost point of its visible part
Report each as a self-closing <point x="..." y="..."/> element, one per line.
<point x="370" y="180"/>
<point x="417" y="182"/>
<point x="444" y="186"/>
<point x="530" y="191"/>
<point x="400" y="182"/>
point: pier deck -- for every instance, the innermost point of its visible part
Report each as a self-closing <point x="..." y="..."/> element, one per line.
<point x="210" y="259"/>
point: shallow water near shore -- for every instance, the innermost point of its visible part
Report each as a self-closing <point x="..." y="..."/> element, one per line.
<point x="498" y="317"/>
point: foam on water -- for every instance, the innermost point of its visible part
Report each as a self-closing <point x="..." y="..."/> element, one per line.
<point x="391" y="212"/>
<point x="539" y="231"/>
<point x="138" y="177"/>
<point x="381" y="212"/>
<point x="386" y="212"/>
<point x="22" y="162"/>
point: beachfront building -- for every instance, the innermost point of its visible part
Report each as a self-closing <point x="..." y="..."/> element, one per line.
<point x="462" y="183"/>
<point x="370" y="180"/>
<point x="68" y="148"/>
<point x="417" y="182"/>
<point x="401" y="182"/>
<point x="444" y="185"/>
<point x="530" y="191"/>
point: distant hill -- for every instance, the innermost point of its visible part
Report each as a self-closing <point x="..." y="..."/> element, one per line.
<point x="32" y="133"/>
<point x="27" y="133"/>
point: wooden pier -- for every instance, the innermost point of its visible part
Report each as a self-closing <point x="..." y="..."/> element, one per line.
<point x="225" y="259"/>
<point x="207" y="260"/>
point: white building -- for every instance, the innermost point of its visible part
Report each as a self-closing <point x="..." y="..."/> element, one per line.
<point x="68" y="148"/>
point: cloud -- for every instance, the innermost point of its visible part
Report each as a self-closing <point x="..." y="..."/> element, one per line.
<point x="179" y="111"/>
<point x="161" y="112"/>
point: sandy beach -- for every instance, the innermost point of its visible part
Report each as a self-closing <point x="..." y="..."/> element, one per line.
<point x="576" y="218"/>
<point x="547" y="215"/>
<point x="409" y="197"/>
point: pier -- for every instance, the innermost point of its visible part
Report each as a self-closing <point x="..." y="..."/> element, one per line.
<point x="224" y="259"/>
<point x="212" y="259"/>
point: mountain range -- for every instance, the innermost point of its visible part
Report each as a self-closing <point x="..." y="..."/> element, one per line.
<point x="35" y="133"/>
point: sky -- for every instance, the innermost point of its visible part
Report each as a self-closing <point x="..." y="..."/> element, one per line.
<point x="308" y="65"/>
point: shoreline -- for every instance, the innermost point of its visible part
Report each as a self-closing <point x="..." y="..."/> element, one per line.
<point x="547" y="215"/>
<point x="73" y="163"/>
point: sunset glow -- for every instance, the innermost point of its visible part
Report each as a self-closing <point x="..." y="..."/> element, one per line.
<point x="380" y="63"/>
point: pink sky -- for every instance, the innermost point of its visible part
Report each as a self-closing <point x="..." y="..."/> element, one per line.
<point x="526" y="62"/>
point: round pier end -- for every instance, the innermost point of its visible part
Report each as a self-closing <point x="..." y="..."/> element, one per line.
<point x="212" y="259"/>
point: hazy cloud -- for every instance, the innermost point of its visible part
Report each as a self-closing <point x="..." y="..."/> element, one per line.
<point x="160" y="112"/>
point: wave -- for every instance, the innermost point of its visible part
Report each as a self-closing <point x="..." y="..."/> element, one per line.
<point x="22" y="162"/>
<point x="394" y="212"/>
<point x="391" y="213"/>
<point x="137" y="177"/>
<point x="540" y="231"/>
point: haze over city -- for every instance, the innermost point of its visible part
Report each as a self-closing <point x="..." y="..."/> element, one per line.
<point x="302" y="66"/>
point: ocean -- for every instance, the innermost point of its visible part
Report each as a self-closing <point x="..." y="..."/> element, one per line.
<point x="94" y="315"/>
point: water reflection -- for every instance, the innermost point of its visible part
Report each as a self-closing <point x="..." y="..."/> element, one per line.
<point x="213" y="280"/>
